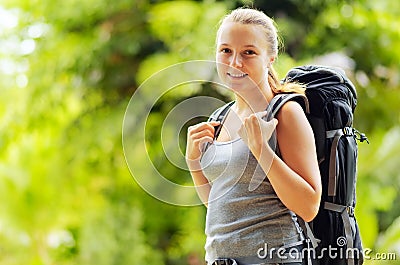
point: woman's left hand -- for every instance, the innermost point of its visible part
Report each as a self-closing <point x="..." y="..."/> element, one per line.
<point x="256" y="132"/>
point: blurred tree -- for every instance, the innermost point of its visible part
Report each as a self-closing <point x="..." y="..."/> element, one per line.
<point x="68" y="70"/>
<point x="67" y="194"/>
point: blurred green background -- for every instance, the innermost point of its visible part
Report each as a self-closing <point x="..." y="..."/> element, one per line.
<point x="67" y="72"/>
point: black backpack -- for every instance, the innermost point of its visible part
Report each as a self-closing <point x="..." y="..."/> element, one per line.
<point x="329" y="104"/>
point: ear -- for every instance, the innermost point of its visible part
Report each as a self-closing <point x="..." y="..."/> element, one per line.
<point x="271" y="61"/>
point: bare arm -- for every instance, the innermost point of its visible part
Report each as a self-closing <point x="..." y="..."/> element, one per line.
<point x="202" y="186"/>
<point x="295" y="178"/>
<point x="196" y="137"/>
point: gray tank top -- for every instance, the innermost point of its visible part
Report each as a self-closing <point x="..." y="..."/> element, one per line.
<point x="241" y="218"/>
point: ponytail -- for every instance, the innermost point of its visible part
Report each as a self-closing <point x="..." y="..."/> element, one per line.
<point x="287" y="87"/>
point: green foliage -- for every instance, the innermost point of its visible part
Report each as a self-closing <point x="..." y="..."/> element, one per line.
<point x="68" y="69"/>
<point x="184" y="37"/>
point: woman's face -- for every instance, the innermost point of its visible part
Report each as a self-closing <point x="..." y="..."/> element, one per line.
<point x="242" y="59"/>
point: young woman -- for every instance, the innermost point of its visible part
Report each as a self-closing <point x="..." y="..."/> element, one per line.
<point x="254" y="225"/>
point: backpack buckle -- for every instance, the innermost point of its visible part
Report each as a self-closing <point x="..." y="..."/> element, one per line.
<point x="348" y="131"/>
<point x="350" y="210"/>
<point x="224" y="262"/>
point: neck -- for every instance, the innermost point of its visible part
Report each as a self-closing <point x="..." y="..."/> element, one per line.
<point x="255" y="101"/>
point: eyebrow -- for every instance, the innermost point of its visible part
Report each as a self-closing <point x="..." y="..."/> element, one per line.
<point x="250" y="46"/>
<point x="247" y="45"/>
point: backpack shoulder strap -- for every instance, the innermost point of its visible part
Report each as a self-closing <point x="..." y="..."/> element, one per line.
<point x="273" y="108"/>
<point x="279" y="100"/>
<point x="220" y="115"/>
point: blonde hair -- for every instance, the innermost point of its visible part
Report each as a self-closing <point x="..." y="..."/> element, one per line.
<point x="250" y="16"/>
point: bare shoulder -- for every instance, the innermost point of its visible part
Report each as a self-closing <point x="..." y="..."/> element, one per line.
<point x="293" y="129"/>
<point x="291" y="113"/>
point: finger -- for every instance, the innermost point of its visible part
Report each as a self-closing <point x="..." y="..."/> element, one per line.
<point x="242" y="132"/>
<point x="274" y="121"/>
<point x="206" y="139"/>
<point x="200" y="143"/>
<point x="264" y="115"/>
<point x="269" y="128"/>
<point x="269" y="125"/>
<point x="252" y="120"/>
<point x="261" y="114"/>
<point x="203" y="126"/>
<point x="203" y="143"/>
<point x="203" y="133"/>
<point x="202" y="140"/>
<point x="214" y="123"/>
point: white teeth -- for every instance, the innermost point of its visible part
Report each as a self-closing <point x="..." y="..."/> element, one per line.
<point x="237" y="75"/>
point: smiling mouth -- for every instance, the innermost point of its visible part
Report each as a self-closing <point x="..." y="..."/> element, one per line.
<point x="241" y="75"/>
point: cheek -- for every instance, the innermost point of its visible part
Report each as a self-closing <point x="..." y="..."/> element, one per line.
<point x="262" y="69"/>
<point x="221" y="65"/>
<point x="221" y="69"/>
<point x="260" y="74"/>
<point x="221" y="58"/>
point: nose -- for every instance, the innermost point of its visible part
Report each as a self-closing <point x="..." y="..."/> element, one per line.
<point x="236" y="60"/>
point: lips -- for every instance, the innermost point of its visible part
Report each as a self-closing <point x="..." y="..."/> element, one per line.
<point x="239" y="75"/>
